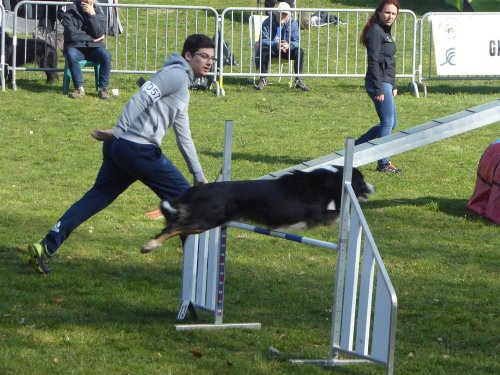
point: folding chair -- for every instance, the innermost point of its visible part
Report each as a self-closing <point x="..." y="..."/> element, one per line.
<point x="83" y="64"/>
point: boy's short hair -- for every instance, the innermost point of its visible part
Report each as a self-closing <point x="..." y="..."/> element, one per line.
<point x="196" y="41"/>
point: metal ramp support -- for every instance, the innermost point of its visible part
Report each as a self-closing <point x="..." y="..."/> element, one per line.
<point x="409" y="139"/>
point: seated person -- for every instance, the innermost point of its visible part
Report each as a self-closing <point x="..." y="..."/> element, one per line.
<point x="280" y="37"/>
<point x="84" y="31"/>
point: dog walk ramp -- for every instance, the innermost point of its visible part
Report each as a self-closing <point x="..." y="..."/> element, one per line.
<point x="408" y="139"/>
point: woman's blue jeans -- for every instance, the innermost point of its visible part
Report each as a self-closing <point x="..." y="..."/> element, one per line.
<point x="96" y="54"/>
<point x="386" y="112"/>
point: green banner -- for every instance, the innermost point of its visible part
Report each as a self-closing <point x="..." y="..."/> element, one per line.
<point x="477" y="5"/>
<point x="485" y="5"/>
<point x="456" y="3"/>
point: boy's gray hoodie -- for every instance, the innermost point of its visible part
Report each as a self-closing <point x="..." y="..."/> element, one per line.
<point x="162" y="103"/>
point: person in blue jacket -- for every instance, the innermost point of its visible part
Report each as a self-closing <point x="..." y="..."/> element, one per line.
<point x="131" y="150"/>
<point x="280" y="37"/>
<point x="380" y="78"/>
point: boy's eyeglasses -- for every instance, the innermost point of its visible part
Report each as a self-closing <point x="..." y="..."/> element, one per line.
<point x="205" y="56"/>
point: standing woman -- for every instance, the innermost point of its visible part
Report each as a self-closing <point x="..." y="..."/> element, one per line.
<point x="380" y="79"/>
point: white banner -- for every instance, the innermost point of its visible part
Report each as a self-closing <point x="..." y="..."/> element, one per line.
<point x="467" y="44"/>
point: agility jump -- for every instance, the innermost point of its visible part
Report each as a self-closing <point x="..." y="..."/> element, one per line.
<point x="204" y="262"/>
<point x="364" y="316"/>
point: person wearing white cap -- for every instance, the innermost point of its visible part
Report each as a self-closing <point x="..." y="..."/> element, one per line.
<point x="280" y="37"/>
<point x="272" y="3"/>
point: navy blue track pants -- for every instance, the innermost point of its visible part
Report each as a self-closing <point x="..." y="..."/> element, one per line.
<point x="124" y="162"/>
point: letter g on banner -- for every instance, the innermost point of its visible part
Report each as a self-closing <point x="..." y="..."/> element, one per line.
<point x="494" y="47"/>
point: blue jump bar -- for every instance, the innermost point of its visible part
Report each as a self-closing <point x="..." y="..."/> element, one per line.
<point x="285" y="236"/>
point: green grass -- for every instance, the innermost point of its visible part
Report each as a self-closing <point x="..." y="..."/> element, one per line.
<point x="107" y="309"/>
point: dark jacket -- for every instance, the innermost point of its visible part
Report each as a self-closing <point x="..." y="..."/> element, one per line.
<point x="381" y="51"/>
<point x="80" y="29"/>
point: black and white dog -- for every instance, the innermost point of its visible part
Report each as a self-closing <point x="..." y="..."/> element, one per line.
<point x="300" y="199"/>
<point x="31" y="51"/>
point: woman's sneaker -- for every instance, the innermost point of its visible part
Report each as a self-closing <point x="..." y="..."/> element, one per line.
<point x="388" y="168"/>
<point x="40" y="258"/>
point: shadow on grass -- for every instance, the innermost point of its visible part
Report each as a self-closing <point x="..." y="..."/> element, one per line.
<point x="130" y="293"/>
<point x="257" y="158"/>
<point x="240" y="81"/>
<point x="38" y="86"/>
<point x="451" y="207"/>
<point x="480" y="88"/>
<point x="93" y="292"/>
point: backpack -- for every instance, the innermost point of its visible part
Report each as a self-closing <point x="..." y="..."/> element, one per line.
<point x="227" y="55"/>
<point x="202" y="83"/>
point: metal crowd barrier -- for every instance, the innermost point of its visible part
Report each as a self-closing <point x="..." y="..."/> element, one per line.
<point x="329" y="38"/>
<point x="30" y="20"/>
<point x="2" y="47"/>
<point x="150" y="33"/>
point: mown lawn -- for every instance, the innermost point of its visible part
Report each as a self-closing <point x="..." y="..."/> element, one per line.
<point x="107" y="309"/>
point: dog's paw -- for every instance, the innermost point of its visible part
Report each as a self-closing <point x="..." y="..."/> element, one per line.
<point x="150" y="246"/>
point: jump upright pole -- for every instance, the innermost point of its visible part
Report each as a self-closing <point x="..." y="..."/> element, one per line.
<point x="204" y="266"/>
